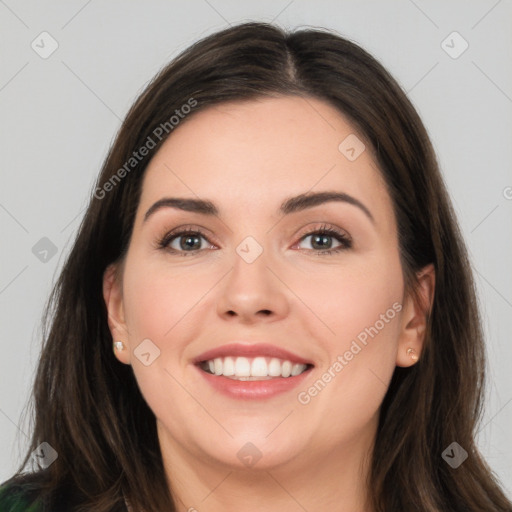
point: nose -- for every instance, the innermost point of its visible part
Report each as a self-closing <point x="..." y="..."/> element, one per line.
<point x="253" y="292"/>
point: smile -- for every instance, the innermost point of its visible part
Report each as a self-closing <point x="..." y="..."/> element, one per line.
<point x="251" y="369"/>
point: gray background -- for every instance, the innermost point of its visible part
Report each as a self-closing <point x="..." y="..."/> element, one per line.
<point x="60" y="114"/>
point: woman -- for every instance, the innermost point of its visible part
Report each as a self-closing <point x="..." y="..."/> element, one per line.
<point x="268" y="305"/>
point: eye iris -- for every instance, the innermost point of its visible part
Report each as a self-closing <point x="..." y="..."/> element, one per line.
<point x="322" y="241"/>
<point x="188" y="244"/>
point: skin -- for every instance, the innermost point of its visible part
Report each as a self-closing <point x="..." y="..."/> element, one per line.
<point x="247" y="158"/>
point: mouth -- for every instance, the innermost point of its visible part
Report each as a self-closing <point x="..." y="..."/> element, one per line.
<point x="252" y="371"/>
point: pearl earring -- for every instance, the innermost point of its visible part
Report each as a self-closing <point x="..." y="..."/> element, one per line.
<point x="411" y="352"/>
<point x="119" y="345"/>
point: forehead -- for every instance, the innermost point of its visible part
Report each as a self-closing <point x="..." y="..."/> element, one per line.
<point x="257" y="152"/>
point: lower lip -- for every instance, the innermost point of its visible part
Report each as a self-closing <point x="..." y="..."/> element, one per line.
<point x="253" y="389"/>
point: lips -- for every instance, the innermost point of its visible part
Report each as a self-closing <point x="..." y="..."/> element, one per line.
<point x="252" y="371"/>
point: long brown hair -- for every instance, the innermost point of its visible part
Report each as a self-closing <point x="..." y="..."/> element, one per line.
<point x="88" y="406"/>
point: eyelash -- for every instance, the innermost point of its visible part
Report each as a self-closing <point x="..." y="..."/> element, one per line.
<point x="346" y="242"/>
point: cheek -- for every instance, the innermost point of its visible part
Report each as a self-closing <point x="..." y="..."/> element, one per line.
<point x="361" y="305"/>
<point x="160" y="306"/>
<point x="156" y="300"/>
<point x="363" y="308"/>
<point x="353" y="298"/>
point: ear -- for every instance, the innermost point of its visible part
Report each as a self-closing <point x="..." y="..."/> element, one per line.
<point x="415" y="315"/>
<point x="113" y="297"/>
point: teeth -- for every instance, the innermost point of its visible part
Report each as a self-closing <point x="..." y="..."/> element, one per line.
<point x="287" y="369"/>
<point x="228" y="368"/>
<point x="258" y="368"/>
<point x="297" y="369"/>
<point x="274" y="368"/>
<point x="242" y="367"/>
<point x="217" y="363"/>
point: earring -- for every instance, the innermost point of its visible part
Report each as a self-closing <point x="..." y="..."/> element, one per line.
<point x="119" y="345"/>
<point x="411" y="352"/>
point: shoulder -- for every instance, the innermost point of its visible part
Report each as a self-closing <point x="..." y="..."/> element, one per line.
<point x="21" y="493"/>
<point x="32" y="492"/>
<point x="17" y="495"/>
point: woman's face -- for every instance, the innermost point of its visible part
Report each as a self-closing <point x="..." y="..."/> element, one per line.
<point x="260" y="282"/>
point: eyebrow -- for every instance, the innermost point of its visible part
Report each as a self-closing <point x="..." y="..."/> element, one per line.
<point x="290" y="205"/>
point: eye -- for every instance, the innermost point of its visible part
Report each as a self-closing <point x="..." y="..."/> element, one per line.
<point x="184" y="241"/>
<point x="189" y="241"/>
<point x="322" y="240"/>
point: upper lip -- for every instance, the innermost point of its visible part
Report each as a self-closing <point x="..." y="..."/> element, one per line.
<point x="238" y="349"/>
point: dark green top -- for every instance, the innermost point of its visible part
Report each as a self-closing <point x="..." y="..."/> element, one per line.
<point x="25" y="493"/>
<point x="14" y="498"/>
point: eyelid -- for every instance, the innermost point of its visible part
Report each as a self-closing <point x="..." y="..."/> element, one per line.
<point x="325" y="226"/>
<point x="189" y="228"/>
<point x="342" y="236"/>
